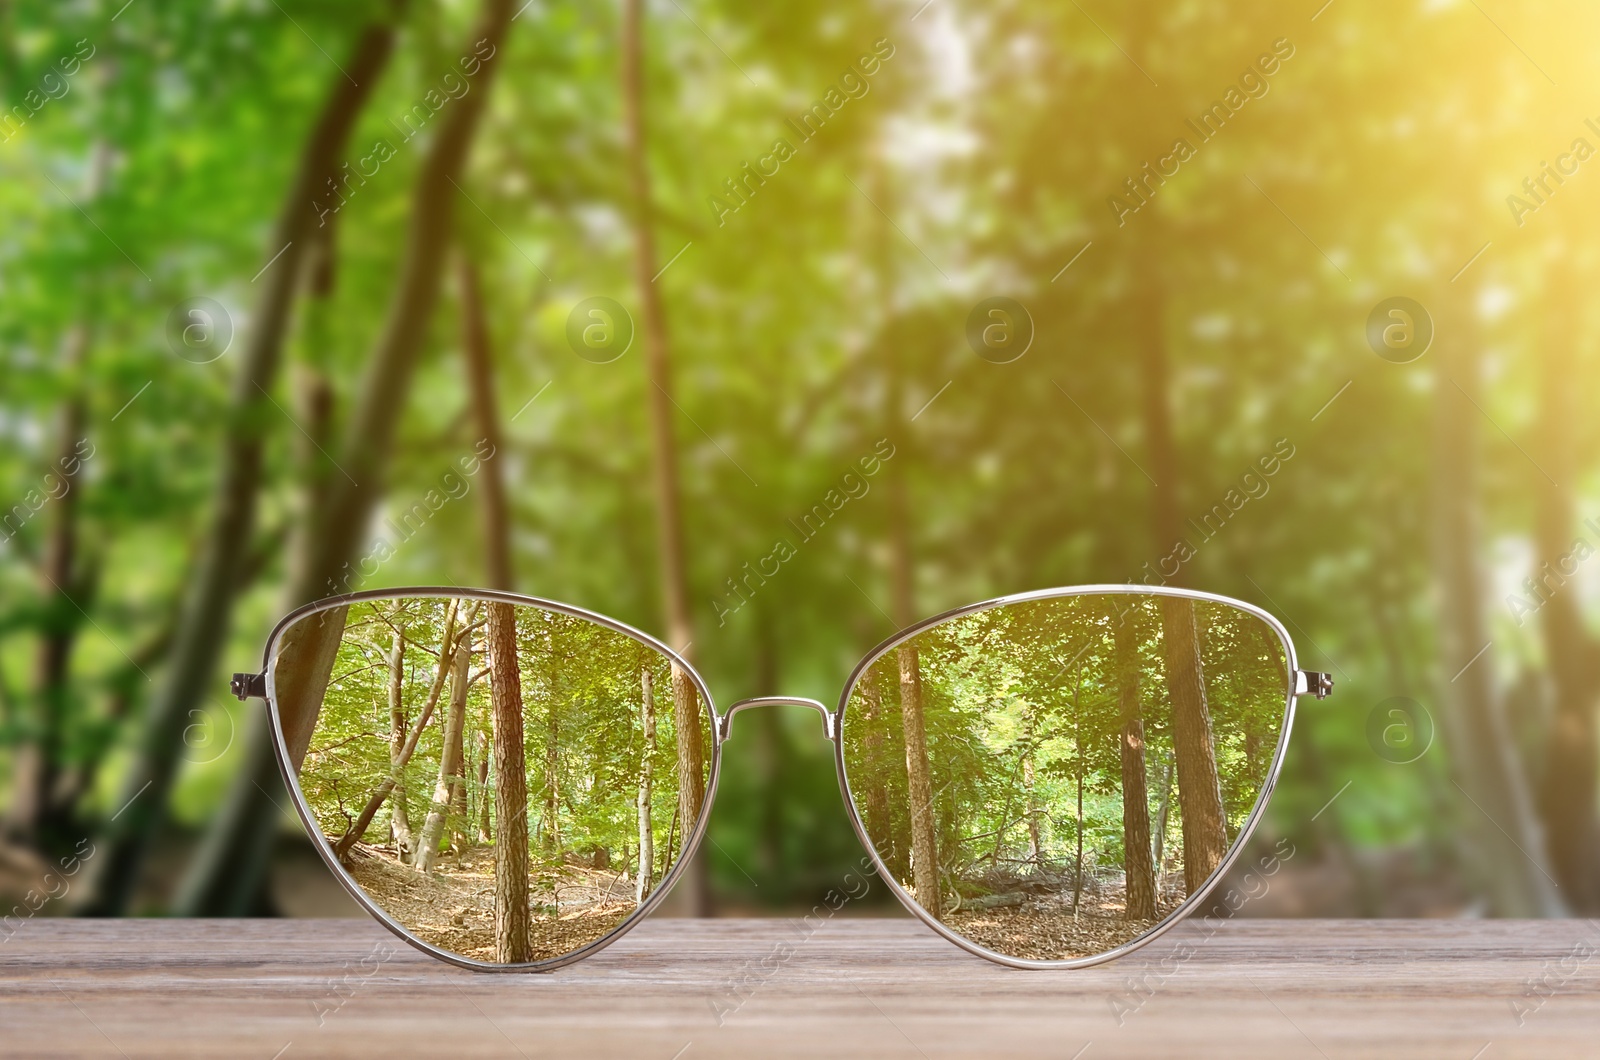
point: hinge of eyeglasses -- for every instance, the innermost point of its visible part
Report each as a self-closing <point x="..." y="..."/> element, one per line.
<point x="1312" y="683"/>
<point x="249" y="686"/>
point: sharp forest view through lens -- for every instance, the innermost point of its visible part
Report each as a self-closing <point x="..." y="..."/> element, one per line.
<point x="1052" y="779"/>
<point x="503" y="781"/>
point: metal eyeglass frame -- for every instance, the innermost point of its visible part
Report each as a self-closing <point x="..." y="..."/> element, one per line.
<point x="262" y="686"/>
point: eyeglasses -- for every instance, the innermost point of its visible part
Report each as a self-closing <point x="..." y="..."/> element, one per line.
<point x="1048" y="780"/>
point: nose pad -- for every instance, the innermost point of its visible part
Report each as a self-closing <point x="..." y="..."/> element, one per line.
<point x="829" y="722"/>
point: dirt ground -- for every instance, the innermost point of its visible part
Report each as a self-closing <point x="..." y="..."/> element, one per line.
<point x="454" y="908"/>
<point x="1045" y="929"/>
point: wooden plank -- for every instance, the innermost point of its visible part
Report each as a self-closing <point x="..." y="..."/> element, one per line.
<point x="881" y="987"/>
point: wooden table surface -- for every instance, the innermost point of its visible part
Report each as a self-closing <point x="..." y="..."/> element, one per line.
<point x="755" y="988"/>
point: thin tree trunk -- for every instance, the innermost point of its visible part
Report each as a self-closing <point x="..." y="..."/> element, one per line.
<point x="1163" y="812"/>
<point x="1077" y="745"/>
<point x="875" y="800"/>
<point x="341" y="849"/>
<point x="479" y="355"/>
<point x="1031" y="801"/>
<point x="1503" y="839"/>
<point x="203" y="629"/>
<point x="483" y="788"/>
<point x="672" y="839"/>
<point x="552" y="782"/>
<point x="228" y="873"/>
<point x="669" y="513"/>
<point x="399" y="816"/>
<point x="1139" y="869"/>
<point x="647" y="849"/>
<point x="1205" y="834"/>
<point x="919" y="785"/>
<point x="458" y="819"/>
<point x="1005" y="817"/>
<point x="511" y="915"/>
<point x="455" y="719"/>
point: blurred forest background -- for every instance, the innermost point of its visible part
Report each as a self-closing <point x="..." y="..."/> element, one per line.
<point x="297" y="298"/>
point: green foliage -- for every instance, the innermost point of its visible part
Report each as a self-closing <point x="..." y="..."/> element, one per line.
<point x="584" y="748"/>
<point x="1021" y="703"/>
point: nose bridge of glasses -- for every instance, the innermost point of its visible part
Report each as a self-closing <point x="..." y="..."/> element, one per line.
<point x="829" y="723"/>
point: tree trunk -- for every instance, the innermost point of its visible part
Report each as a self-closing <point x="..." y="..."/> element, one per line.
<point x="919" y="785"/>
<point x="1205" y="834"/>
<point x="455" y="719"/>
<point x="446" y="646"/>
<point x="483" y="787"/>
<point x="1138" y="867"/>
<point x="399" y="816"/>
<point x="300" y="673"/>
<point x="511" y="924"/>
<point x="1148" y="319"/>
<point x="459" y="818"/>
<point x="479" y="355"/>
<point x="691" y="753"/>
<point x="475" y="347"/>
<point x="647" y="849"/>
<point x="1568" y="792"/>
<point x="672" y="839"/>
<point x="875" y="799"/>
<point x="551" y="831"/>
<point x="1030" y="800"/>
<point x="1077" y="746"/>
<point x="203" y="628"/>
<point x="36" y="763"/>
<point x="228" y="873"/>
<point x="768" y="755"/>
<point x="1163" y="813"/>
<point x="669" y="513"/>
<point x="1501" y="833"/>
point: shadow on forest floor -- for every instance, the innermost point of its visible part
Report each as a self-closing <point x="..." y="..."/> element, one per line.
<point x="453" y="908"/>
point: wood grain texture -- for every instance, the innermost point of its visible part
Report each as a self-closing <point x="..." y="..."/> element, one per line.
<point x="881" y="987"/>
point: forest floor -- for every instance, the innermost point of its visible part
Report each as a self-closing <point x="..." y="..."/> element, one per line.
<point x="454" y="907"/>
<point x="1045" y="927"/>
